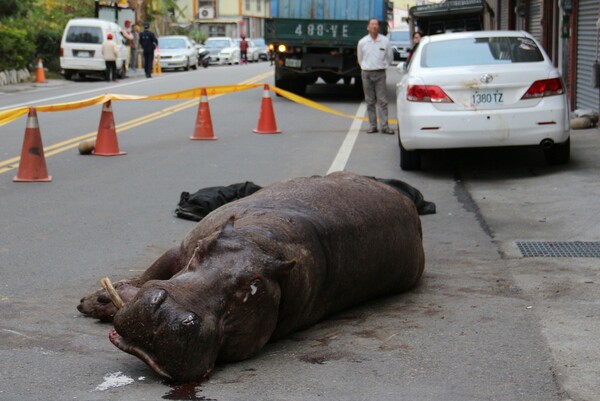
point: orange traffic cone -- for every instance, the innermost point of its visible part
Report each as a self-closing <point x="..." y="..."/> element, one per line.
<point x="266" y="121"/>
<point x="204" y="127"/>
<point x="106" y="139"/>
<point x="32" y="166"/>
<point x="39" y="73"/>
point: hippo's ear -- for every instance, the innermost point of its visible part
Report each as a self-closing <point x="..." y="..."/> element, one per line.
<point x="203" y="245"/>
<point x="206" y="243"/>
<point x="279" y="268"/>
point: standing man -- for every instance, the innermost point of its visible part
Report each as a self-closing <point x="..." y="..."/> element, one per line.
<point x="148" y="42"/>
<point x="244" y="50"/>
<point x="128" y="35"/>
<point x="374" y="56"/>
<point x="135" y="53"/>
<point x="110" y="52"/>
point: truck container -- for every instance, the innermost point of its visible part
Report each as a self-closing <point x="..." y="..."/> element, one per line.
<point x="318" y="39"/>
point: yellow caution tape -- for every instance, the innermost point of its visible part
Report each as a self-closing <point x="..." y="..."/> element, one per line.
<point x="309" y="103"/>
<point x="8" y="116"/>
<point x="12" y="114"/>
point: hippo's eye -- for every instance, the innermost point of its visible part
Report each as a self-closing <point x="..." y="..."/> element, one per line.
<point x="189" y="320"/>
<point x="253" y="289"/>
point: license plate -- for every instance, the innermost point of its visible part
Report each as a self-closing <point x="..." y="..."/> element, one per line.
<point x="292" y="62"/>
<point x="84" y="54"/>
<point x="487" y="97"/>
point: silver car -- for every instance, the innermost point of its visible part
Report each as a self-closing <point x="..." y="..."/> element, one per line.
<point x="177" y="52"/>
<point x="263" y="49"/>
<point x="401" y="43"/>
<point x="223" y="50"/>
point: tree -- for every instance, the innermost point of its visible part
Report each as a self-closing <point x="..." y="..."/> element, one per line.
<point x="15" y="8"/>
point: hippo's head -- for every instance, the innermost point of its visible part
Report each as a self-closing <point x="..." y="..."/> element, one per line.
<point x="222" y="306"/>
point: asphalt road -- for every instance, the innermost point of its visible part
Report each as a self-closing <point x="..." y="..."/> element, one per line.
<point x="485" y="323"/>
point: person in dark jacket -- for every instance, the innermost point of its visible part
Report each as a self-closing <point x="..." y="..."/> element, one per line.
<point x="148" y="42"/>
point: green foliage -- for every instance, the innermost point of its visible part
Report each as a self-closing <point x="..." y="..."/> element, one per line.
<point x="47" y="43"/>
<point x="198" y="36"/>
<point x="33" y="28"/>
<point x="16" y="48"/>
<point x="14" y="8"/>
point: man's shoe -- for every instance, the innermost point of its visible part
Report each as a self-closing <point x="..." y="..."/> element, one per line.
<point x="388" y="131"/>
<point x="372" y="131"/>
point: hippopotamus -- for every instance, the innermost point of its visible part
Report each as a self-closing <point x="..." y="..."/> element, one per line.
<point x="259" y="268"/>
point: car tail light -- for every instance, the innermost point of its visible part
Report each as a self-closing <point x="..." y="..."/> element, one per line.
<point x="427" y="93"/>
<point x="545" y="87"/>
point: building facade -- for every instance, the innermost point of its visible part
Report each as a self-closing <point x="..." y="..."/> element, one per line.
<point x="226" y="17"/>
<point x="569" y="32"/>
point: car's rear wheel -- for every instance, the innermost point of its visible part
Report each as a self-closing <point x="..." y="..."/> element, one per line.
<point x="409" y="159"/>
<point x="559" y="153"/>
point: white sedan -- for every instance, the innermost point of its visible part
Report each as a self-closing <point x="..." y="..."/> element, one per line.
<point x="481" y="89"/>
<point x="177" y="52"/>
<point x="223" y="50"/>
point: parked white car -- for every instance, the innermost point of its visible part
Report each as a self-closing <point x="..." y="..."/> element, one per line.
<point x="481" y="89"/>
<point x="263" y="49"/>
<point x="177" y="52"/>
<point x="80" y="47"/>
<point x="223" y="50"/>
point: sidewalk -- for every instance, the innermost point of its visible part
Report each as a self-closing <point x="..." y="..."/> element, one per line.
<point x="57" y="82"/>
<point x="26" y="86"/>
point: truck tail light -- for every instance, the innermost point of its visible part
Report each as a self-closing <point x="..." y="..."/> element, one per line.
<point x="545" y="87"/>
<point x="282" y="48"/>
<point x="62" y="52"/>
<point x="427" y="93"/>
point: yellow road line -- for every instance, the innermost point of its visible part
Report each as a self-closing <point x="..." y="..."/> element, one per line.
<point x="60" y="147"/>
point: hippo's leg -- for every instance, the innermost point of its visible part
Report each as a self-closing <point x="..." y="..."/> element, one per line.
<point x="98" y="304"/>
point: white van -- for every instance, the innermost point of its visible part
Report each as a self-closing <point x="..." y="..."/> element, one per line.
<point x="80" y="47"/>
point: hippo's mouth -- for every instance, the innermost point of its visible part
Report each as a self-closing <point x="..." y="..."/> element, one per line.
<point x="135" y="350"/>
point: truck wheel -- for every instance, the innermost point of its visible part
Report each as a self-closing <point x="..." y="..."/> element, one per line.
<point x="330" y="79"/>
<point x="68" y="75"/>
<point x="297" y="86"/>
<point x="358" y="87"/>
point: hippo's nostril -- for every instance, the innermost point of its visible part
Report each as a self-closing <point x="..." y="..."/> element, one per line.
<point x="158" y="297"/>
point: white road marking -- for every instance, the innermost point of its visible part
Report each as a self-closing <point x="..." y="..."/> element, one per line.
<point x="339" y="163"/>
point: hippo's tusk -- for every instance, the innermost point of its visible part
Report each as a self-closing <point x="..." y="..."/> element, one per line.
<point x="112" y="293"/>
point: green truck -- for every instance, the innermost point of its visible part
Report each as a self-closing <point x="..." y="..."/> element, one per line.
<point x="318" y="39"/>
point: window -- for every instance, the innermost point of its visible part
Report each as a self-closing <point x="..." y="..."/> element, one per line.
<point x="84" y="34"/>
<point x="480" y="51"/>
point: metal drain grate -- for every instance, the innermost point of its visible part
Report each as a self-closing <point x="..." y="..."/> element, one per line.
<point x="541" y="249"/>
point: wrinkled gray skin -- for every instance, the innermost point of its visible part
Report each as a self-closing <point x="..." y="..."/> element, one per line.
<point x="259" y="268"/>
